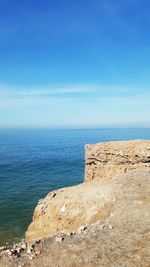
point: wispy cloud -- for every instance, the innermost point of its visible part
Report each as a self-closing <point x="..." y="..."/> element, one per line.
<point x="44" y="90"/>
<point x="58" y="91"/>
<point x="20" y="97"/>
<point x="14" y="96"/>
<point x="80" y="105"/>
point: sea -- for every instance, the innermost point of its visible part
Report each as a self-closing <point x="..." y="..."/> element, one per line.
<point x="36" y="161"/>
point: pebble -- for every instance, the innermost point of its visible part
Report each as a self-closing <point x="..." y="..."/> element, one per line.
<point x="2" y="248"/>
<point x="40" y="201"/>
<point x="29" y="251"/>
<point x="23" y="246"/>
<point x="102" y="226"/>
<point x="38" y="253"/>
<point x="72" y="233"/>
<point x="18" y="250"/>
<point x="81" y="229"/>
<point x="31" y="257"/>
<point x="15" y="246"/>
<point x="110" y="227"/>
<point x="59" y="239"/>
<point x="8" y="252"/>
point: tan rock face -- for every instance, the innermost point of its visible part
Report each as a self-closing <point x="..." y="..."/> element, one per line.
<point x="120" y="238"/>
<point x="65" y="210"/>
<point x="69" y="209"/>
<point x="112" y="158"/>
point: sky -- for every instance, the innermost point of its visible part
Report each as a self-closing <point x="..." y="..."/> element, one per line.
<point x="74" y="64"/>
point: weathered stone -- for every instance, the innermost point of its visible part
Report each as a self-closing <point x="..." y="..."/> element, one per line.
<point x="81" y="229"/>
<point x="37" y="252"/>
<point x="29" y="250"/>
<point x="101" y="226"/>
<point x="31" y="258"/>
<point x="8" y="252"/>
<point x="59" y="239"/>
<point x="90" y="202"/>
<point x="109" y="159"/>
<point x="23" y="246"/>
<point x="40" y="201"/>
<point x="72" y="233"/>
<point x="2" y="248"/>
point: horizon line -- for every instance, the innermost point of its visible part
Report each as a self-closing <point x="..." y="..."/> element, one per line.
<point x="74" y="128"/>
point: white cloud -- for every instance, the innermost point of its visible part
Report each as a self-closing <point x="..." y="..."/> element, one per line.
<point x="11" y="96"/>
<point x="46" y="90"/>
<point x="93" y="106"/>
<point x="21" y="91"/>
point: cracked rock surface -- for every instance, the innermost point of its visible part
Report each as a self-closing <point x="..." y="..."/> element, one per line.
<point x="112" y="158"/>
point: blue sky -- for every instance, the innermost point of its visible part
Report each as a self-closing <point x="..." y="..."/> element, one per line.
<point x="74" y="63"/>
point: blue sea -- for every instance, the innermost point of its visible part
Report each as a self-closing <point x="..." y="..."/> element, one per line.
<point x="34" y="162"/>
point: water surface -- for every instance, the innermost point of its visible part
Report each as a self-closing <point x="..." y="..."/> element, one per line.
<point x="34" y="162"/>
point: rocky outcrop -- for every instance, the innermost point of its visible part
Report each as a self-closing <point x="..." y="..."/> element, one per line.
<point x="65" y="210"/>
<point x="120" y="237"/>
<point x="102" y="222"/>
<point x="112" y="158"/>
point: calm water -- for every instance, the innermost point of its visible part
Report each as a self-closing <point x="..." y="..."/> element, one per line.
<point x="34" y="162"/>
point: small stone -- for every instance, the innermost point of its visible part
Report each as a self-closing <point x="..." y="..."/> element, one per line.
<point x="23" y="246"/>
<point x="18" y="250"/>
<point x="38" y="253"/>
<point x="31" y="258"/>
<point x="110" y="227"/>
<point x="102" y="226"/>
<point x="9" y="253"/>
<point x="29" y="251"/>
<point x="15" y="246"/>
<point x="59" y="239"/>
<point x="37" y="241"/>
<point x="40" y="201"/>
<point x="72" y="233"/>
<point x="2" y="248"/>
<point x="81" y="229"/>
<point x="30" y="247"/>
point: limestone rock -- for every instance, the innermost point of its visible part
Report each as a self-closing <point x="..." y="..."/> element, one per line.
<point x="112" y="158"/>
<point x="64" y="211"/>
